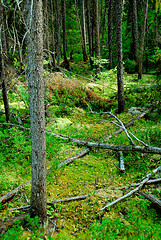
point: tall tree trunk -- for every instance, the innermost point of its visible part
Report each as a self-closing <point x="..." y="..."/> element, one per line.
<point x="83" y="27"/>
<point x="64" y="29"/>
<point x="89" y="29"/>
<point x="120" y="83"/>
<point x="142" y="38"/>
<point x="110" y="33"/>
<point x="96" y="34"/>
<point x="46" y="32"/>
<point x="135" y="32"/>
<point x="34" y="23"/>
<point x="2" y="67"/>
<point x="52" y="34"/>
<point x="103" y="25"/>
<point x="58" y="31"/>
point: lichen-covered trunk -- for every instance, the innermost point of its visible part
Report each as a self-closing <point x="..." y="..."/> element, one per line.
<point x="36" y="103"/>
<point x="120" y="82"/>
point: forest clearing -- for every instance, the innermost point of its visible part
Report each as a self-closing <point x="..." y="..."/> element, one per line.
<point x="80" y="120"/>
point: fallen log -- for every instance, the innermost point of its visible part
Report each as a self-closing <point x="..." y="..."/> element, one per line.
<point x="154" y="200"/>
<point x="77" y="198"/>
<point x="147" y="149"/>
<point x="71" y="159"/>
<point x="145" y="179"/>
<point x="122" y="166"/>
<point x="8" y="196"/>
<point x="68" y="199"/>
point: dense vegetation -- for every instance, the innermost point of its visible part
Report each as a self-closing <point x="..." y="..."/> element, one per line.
<point x="72" y="97"/>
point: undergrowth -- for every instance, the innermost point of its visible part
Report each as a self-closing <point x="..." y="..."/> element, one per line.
<point x="96" y="174"/>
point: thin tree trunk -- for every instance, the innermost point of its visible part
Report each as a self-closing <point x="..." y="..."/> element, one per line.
<point x="52" y="34"/>
<point x="142" y="38"/>
<point x="2" y="73"/>
<point x="103" y="25"/>
<point x="58" y="31"/>
<point x="120" y="83"/>
<point x="89" y="26"/>
<point x="64" y="29"/>
<point x="97" y="37"/>
<point x="110" y="33"/>
<point x="37" y="111"/>
<point x="83" y="27"/>
<point x="135" y="32"/>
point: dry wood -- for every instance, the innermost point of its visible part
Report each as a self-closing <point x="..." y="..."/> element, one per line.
<point x="145" y="179"/>
<point x="147" y="149"/>
<point x="141" y="115"/>
<point x="154" y="181"/>
<point x="151" y="198"/>
<point x="8" y="196"/>
<point x="69" y="199"/>
<point x="71" y="159"/>
<point x="122" y="166"/>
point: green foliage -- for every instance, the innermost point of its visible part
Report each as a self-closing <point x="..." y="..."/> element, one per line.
<point x="133" y="224"/>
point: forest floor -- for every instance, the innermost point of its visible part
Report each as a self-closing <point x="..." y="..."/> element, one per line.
<point x="96" y="176"/>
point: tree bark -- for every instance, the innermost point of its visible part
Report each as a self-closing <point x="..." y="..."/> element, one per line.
<point x="142" y="38"/>
<point x="37" y="112"/>
<point x="120" y="83"/>
<point x="135" y="32"/>
<point x="103" y="25"/>
<point x="58" y="32"/>
<point x="64" y="29"/>
<point x="2" y="67"/>
<point x="110" y="33"/>
<point x="52" y="35"/>
<point x="96" y="35"/>
<point x="83" y="27"/>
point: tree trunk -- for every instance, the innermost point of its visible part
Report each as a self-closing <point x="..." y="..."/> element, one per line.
<point x="58" y="31"/>
<point x="110" y="32"/>
<point x="64" y="29"/>
<point x="103" y="25"/>
<point x="37" y="113"/>
<point x="83" y="27"/>
<point x="142" y="38"/>
<point x="96" y="35"/>
<point x="89" y="26"/>
<point x="52" y="35"/>
<point x="135" y="32"/>
<point x="2" y="72"/>
<point x="120" y="83"/>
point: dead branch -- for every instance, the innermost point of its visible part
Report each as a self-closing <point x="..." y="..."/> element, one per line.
<point x="8" y="196"/>
<point x="147" y="149"/>
<point x="122" y="166"/>
<point x="126" y="125"/>
<point x="69" y="199"/>
<point x="145" y="179"/>
<point x="154" y="200"/>
<point x="77" y="198"/>
<point x="71" y="159"/>
<point x="154" y="181"/>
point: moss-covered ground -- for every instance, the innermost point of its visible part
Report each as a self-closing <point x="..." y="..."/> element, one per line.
<point x="97" y="173"/>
